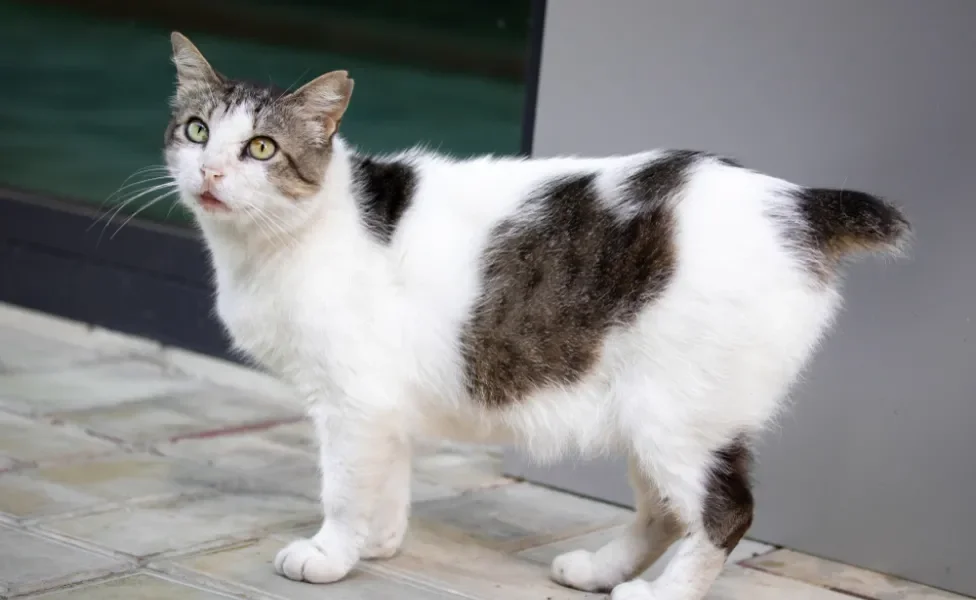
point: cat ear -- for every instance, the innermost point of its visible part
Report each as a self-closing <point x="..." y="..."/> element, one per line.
<point x="192" y="69"/>
<point x="325" y="96"/>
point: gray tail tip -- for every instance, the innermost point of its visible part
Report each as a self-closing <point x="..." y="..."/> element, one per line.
<point x="849" y="221"/>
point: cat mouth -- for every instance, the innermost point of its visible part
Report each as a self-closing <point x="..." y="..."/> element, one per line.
<point x="211" y="202"/>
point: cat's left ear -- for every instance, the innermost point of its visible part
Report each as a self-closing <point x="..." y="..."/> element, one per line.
<point x="325" y="99"/>
<point x="192" y="69"/>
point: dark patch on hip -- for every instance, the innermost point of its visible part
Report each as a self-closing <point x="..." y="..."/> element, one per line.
<point x="554" y="285"/>
<point x="384" y="193"/>
<point x="728" y="508"/>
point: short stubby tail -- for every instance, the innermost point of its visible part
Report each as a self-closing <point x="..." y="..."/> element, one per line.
<point x="844" y="222"/>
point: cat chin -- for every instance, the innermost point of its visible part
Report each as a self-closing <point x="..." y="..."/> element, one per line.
<point x="224" y="214"/>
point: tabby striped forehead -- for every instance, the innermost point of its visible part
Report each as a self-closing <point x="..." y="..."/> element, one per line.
<point x="208" y="102"/>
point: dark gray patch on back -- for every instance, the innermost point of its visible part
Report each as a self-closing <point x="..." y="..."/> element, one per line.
<point x="728" y="509"/>
<point x="555" y="285"/>
<point x="664" y="176"/>
<point x="385" y="191"/>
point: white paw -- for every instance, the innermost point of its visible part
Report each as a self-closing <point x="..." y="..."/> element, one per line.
<point x="575" y="570"/>
<point x="637" y="589"/>
<point x="314" y="562"/>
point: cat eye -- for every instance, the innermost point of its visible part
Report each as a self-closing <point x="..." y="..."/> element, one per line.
<point x="262" y="148"/>
<point x="197" y="132"/>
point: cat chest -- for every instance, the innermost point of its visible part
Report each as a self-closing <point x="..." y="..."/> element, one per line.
<point x="258" y="326"/>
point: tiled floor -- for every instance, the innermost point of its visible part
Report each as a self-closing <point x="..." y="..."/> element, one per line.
<point x="130" y="471"/>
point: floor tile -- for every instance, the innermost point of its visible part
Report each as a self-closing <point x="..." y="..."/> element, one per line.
<point x="299" y="434"/>
<point x="82" y="387"/>
<point x="130" y="476"/>
<point x="6" y="463"/>
<point x="186" y="523"/>
<point x="24" y="351"/>
<point x="738" y="583"/>
<point x="74" y="333"/>
<point x="142" y="586"/>
<point x="846" y="578"/>
<point x="460" y="468"/>
<point x="517" y="516"/>
<point x="86" y="485"/>
<point x="250" y="566"/>
<point x="248" y="452"/>
<point x="29" y="563"/>
<point x="30" y="441"/>
<point x="593" y="541"/>
<point x="206" y="408"/>
<point x="306" y="482"/>
<point x="42" y="324"/>
<point x="229" y="374"/>
<point x="424" y="491"/>
<point x="458" y="566"/>
<point x="23" y="496"/>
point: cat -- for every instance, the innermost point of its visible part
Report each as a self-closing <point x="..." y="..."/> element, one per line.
<point x="657" y="306"/>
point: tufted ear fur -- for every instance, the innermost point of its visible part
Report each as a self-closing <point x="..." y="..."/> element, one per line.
<point x="324" y="100"/>
<point x="193" y="72"/>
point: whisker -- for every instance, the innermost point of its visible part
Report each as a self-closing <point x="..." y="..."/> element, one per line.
<point x="133" y="215"/>
<point x="171" y="207"/>
<point x="254" y="215"/>
<point x="296" y="207"/>
<point x="289" y="88"/>
<point x="141" y="171"/>
<point x="274" y="230"/>
<point x="114" y="212"/>
<point x="121" y="205"/>
<point x="135" y="183"/>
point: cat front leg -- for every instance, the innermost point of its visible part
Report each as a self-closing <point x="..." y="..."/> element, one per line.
<point x="391" y="511"/>
<point x="356" y="450"/>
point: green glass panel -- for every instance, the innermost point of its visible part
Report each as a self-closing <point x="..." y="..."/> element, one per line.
<point x="84" y="95"/>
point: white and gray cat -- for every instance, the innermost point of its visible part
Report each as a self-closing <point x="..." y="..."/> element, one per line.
<point x="657" y="306"/>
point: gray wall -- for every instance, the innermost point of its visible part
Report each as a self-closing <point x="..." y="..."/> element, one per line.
<point x="876" y="462"/>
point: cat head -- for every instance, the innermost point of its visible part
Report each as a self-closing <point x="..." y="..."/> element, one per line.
<point x="242" y="152"/>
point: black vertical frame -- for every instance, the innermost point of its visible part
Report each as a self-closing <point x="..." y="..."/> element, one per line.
<point x="148" y="279"/>
<point x="537" y="28"/>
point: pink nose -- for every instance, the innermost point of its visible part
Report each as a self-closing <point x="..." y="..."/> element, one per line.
<point x="212" y="175"/>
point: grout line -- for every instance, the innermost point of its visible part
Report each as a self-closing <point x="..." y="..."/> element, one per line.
<point x="830" y="588"/>
<point x="58" y="421"/>
<point x="55" y="587"/>
<point x="109" y="505"/>
<point x="417" y="579"/>
<point x="77" y="458"/>
<point x="772" y="548"/>
<point x="100" y="358"/>
<point x="78" y="543"/>
<point x="173" y="570"/>
<point x="237" y="429"/>
<point x="544" y="539"/>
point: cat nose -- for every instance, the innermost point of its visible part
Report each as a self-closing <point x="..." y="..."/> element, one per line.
<point x="211" y="174"/>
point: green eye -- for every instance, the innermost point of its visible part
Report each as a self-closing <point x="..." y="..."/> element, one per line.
<point x="197" y="132"/>
<point x="262" y="148"/>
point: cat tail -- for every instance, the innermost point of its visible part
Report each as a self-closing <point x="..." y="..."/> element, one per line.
<point x="845" y="222"/>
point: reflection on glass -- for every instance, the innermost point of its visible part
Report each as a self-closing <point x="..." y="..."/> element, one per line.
<point x="86" y="88"/>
